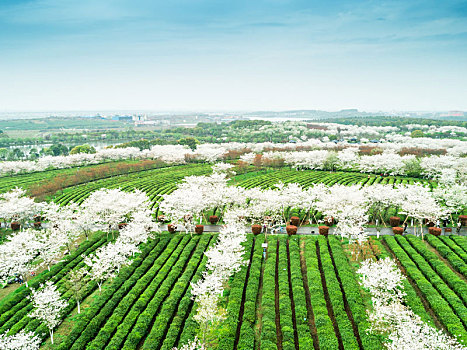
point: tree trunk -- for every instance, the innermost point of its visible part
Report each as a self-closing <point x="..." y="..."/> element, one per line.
<point x="51" y="335"/>
<point x="79" y="309"/>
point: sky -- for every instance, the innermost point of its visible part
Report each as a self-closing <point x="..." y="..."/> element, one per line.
<point x="237" y="55"/>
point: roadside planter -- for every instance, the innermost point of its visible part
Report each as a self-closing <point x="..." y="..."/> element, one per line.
<point x="295" y="221"/>
<point x="435" y="231"/>
<point x="323" y="230"/>
<point x="171" y="228"/>
<point x="15" y="225"/>
<point x="291" y="230"/>
<point x="256" y="229"/>
<point x="394" y="221"/>
<point x="213" y="219"/>
<point x="397" y="230"/>
<point x="463" y="220"/>
<point x="199" y="229"/>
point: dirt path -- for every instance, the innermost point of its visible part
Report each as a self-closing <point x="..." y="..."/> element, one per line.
<point x="259" y="311"/>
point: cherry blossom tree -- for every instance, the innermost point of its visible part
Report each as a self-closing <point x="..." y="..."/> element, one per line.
<point x="106" y="262"/>
<point x="110" y="207"/>
<point x="17" y="253"/>
<point x="391" y="317"/>
<point x="76" y="282"/>
<point x="22" y="340"/>
<point x="48" y="306"/>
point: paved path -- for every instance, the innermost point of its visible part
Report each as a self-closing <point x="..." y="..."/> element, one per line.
<point x="310" y="230"/>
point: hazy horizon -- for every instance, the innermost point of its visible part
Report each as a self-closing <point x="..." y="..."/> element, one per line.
<point x="237" y="56"/>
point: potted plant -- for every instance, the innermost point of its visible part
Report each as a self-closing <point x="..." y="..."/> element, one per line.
<point x="394" y="221"/>
<point x="15" y="225"/>
<point x="291" y="230"/>
<point x="397" y="230"/>
<point x="213" y="219"/>
<point x="435" y="231"/>
<point x="463" y="220"/>
<point x="256" y="229"/>
<point x="323" y="230"/>
<point x="295" y="221"/>
<point x="199" y="229"/>
<point x="171" y="228"/>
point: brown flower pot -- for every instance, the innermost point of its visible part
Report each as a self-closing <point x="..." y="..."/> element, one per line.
<point x="323" y="230"/>
<point x="295" y="221"/>
<point x="394" y="221"/>
<point x="435" y="231"/>
<point x="122" y="225"/>
<point x="291" y="230"/>
<point x="37" y="224"/>
<point x="171" y="228"/>
<point x="256" y="229"/>
<point x="37" y="218"/>
<point x="329" y="220"/>
<point x="397" y="230"/>
<point x="199" y="229"/>
<point x="463" y="220"/>
<point x="448" y="229"/>
<point x="15" y="226"/>
<point x="213" y="219"/>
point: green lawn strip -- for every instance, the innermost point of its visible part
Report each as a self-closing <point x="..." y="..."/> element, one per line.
<point x="185" y="306"/>
<point x="120" y="311"/>
<point x="324" y="327"/>
<point x="412" y="299"/>
<point x="156" y="296"/>
<point x="169" y="307"/>
<point x="305" y="339"/>
<point x="353" y="294"/>
<point x="337" y="299"/>
<point x="285" y="299"/>
<point x="108" y="298"/>
<point x="227" y="332"/>
<point x="268" y="330"/>
<point x="447" y="275"/>
<point x="438" y="304"/>
<point x="247" y="331"/>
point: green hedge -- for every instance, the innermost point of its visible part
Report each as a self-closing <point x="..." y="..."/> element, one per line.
<point x="268" y="302"/>
<point x="337" y="299"/>
<point x="227" y="332"/>
<point x="437" y="302"/>
<point x="353" y="294"/>
<point x="447" y="253"/>
<point x="116" y="290"/>
<point x="285" y="307"/>
<point x="247" y="330"/>
<point x="326" y="335"/>
<point x="305" y="339"/>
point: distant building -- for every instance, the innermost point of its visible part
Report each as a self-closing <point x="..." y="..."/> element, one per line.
<point x="122" y="118"/>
